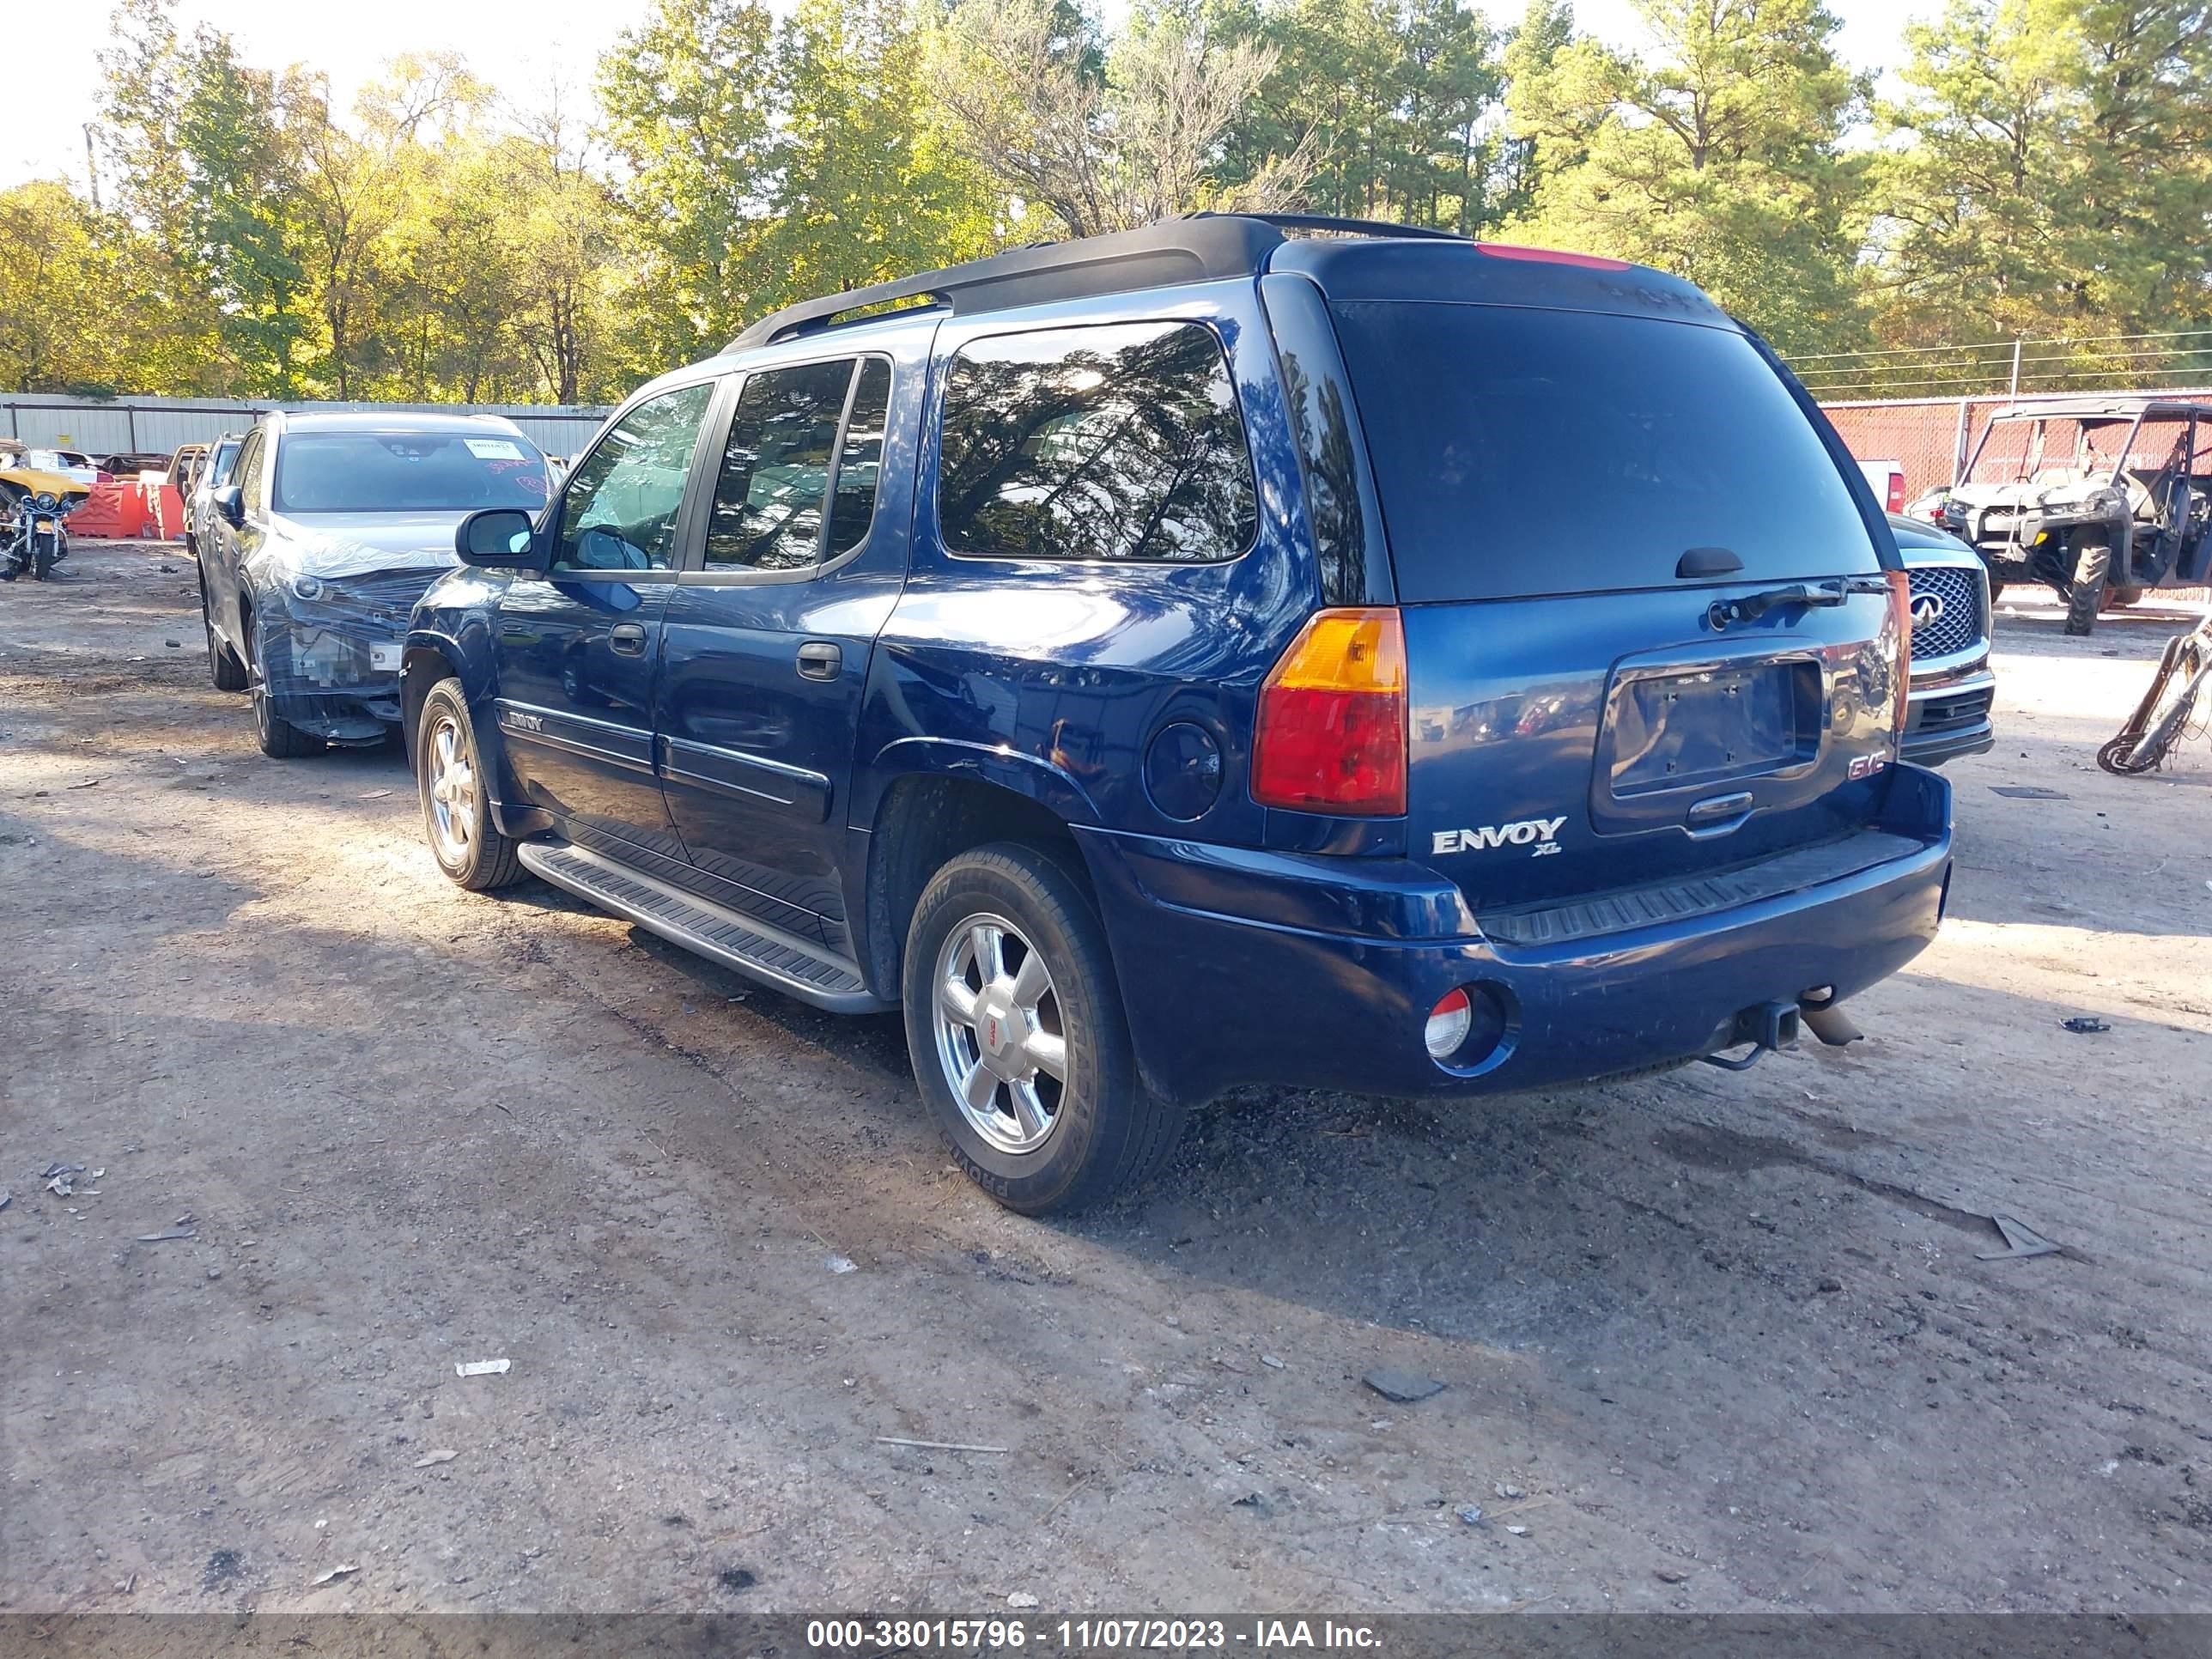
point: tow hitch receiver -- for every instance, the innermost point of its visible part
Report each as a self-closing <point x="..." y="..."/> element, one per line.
<point x="1764" y="1025"/>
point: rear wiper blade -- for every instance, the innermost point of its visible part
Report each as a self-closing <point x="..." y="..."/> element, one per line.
<point x="1753" y="606"/>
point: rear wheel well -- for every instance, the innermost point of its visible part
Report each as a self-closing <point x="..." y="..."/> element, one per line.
<point x="923" y="823"/>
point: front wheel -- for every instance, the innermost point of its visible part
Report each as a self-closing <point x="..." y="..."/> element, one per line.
<point x="2085" y="594"/>
<point x="45" y="551"/>
<point x="1015" y="1026"/>
<point x="279" y="739"/>
<point x="456" y="807"/>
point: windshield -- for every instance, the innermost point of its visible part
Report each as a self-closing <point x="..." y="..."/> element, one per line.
<point x="406" y="472"/>
<point x="49" y="460"/>
<point x="1521" y="451"/>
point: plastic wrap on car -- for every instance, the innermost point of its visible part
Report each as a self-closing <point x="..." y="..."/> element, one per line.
<point x="332" y="555"/>
<point x="323" y="645"/>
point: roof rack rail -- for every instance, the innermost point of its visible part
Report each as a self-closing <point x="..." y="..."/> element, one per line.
<point x="1192" y="247"/>
<point x="1346" y="227"/>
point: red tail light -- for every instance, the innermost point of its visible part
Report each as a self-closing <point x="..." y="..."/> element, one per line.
<point x="1901" y="633"/>
<point x="1331" y="736"/>
<point x="1897" y="492"/>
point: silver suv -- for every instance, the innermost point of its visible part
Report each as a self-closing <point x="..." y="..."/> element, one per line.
<point x="1952" y="689"/>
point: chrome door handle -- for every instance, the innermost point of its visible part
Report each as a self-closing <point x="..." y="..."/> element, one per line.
<point x="819" y="659"/>
<point x="626" y="640"/>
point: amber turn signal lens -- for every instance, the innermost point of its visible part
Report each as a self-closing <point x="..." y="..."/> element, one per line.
<point x="1330" y="735"/>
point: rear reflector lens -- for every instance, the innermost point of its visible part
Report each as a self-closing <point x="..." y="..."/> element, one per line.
<point x="1449" y="1022"/>
<point x="1330" y="735"/>
<point x="1897" y="492"/>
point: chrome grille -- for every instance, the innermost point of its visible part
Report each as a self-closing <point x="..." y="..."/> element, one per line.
<point x="1960" y="628"/>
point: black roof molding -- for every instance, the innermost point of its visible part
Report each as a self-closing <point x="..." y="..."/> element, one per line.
<point x="1194" y="247"/>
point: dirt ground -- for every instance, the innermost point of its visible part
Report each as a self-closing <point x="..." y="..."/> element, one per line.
<point x="1708" y="1342"/>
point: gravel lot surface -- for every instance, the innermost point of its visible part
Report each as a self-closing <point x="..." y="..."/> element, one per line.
<point x="1708" y="1342"/>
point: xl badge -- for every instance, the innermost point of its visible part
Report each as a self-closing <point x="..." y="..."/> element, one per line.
<point x="1535" y="834"/>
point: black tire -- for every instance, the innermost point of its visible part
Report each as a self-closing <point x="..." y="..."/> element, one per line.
<point x="1106" y="1133"/>
<point x="2085" y="594"/>
<point x="223" y="666"/>
<point x="45" y="550"/>
<point x="484" y="859"/>
<point x="279" y="739"/>
<point x="1997" y="591"/>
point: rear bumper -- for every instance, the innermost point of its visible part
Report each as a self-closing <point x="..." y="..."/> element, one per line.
<point x="1239" y="966"/>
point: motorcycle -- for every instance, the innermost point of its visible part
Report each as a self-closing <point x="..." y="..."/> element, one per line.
<point x="36" y="537"/>
<point x="2169" y="710"/>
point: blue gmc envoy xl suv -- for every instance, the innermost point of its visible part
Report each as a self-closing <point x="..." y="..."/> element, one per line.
<point x="1209" y="654"/>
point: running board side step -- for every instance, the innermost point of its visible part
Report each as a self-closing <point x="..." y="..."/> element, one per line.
<point x="792" y="965"/>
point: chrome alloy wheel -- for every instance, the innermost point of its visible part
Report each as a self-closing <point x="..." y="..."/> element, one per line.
<point x="453" y="805"/>
<point x="999" y="1036"/>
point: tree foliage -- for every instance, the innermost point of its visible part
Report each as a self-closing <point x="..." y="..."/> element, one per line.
<point x="1719" y="157"/>
<point x="2048" y="172"/>
<point x="2044" y="170"/>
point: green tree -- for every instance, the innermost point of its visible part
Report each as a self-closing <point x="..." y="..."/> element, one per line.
<point x="870" y="182"/>
<point x="1532" y="48"/>
<point x="52" y="263"/>
<point x="1393" y="100"/>
<point x="1719" y="158"/>
<point x="2048" y="173"/>
<point x="1146" y="142"/>
<point x="689" y="100"/>
<point x="357" y="187"/>
<point x="242" y="235"/>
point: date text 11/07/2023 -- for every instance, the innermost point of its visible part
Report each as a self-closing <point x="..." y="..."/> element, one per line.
<point x="1087" y="1635"/>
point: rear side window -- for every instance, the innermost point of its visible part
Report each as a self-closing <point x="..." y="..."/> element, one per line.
<point x="1117" y="442"/>
<point x="778" y="467"/>
<point x="1522" y="452"/>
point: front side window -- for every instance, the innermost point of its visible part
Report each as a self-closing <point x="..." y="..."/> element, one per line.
<point x="784" y="458"/>
<point x="408" y="472"/>
<point x="619" y="512"/>
<point x="1116" y="443"/>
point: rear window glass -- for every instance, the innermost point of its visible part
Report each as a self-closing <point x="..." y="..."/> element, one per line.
<point x="406" y="472"/>
<point x="1117" y="441"/>
<point x="1523" y="451"/>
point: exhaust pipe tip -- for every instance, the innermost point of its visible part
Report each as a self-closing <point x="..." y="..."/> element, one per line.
<point x="1832" y="1025"/>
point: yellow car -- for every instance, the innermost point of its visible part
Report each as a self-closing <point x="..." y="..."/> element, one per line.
<point x="35" y="472"/>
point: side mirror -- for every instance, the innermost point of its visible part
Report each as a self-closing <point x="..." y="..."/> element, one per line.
<point x="230" y="502"/>
<point x="500" y="538"/>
